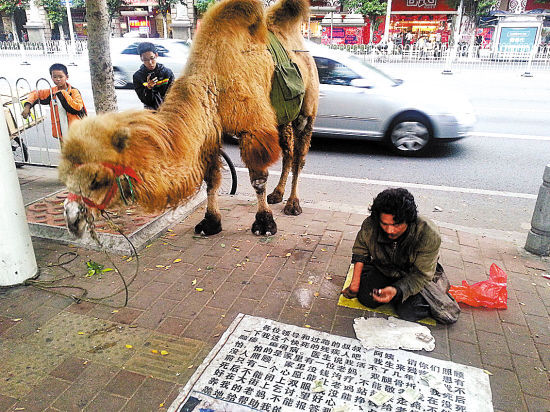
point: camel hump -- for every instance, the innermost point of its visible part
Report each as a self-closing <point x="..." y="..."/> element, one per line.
<point x="229" y="14"/>
<point x="288" y="12"/>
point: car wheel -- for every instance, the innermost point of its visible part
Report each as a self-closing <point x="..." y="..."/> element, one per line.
<point x="410" y="135"/>
<point x="119" y="80"/>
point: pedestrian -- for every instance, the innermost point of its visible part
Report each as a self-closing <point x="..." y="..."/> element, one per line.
<point x="9" y="36"/>
<point x="62" y="94"/>
<point x="395" y="258"/>
<point x="152" y="80"/>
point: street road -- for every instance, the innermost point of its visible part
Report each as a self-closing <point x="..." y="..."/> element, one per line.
<point x="486" y="183"/>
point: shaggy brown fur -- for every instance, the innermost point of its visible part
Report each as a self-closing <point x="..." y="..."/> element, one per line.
<point x="224" y="89"/>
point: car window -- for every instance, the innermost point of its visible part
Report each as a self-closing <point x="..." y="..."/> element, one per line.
<point x="333" y="72"/>
<point x="132" y="49"/>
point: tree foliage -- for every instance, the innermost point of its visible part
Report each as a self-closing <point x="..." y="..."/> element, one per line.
<point x="113" y="6"/>
<point x="475" y="8"/>
<point x="55" y="10"/>
<point x="202" y="5"/>
<point x="9" y="6"/>
<point x="369" y="8"/>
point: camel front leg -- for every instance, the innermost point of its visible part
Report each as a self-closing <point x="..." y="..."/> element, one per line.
<point x="286" y="140"/>
<point x="212" y="222"/>
<point x="264" y="223"/>
<point x="301" y="148"/>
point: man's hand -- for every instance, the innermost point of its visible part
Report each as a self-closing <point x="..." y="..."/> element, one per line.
<point x="349" y="293"/>
<point x="26" y="111"/>
<point x="151" y="82"/>
<point x="384" y="295"/>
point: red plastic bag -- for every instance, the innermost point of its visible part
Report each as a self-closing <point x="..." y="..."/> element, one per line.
<point x="490" y="293"/>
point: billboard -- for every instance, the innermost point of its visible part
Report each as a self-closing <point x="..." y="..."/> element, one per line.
<point x="517" y="39"/>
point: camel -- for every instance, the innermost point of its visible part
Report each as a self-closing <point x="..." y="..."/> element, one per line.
<point x="159" y="159"/>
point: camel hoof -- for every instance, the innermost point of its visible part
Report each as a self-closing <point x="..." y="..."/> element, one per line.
<point x="274" y="198"/>
<point x="264" y="225"/>
<point x="210" y="225"/>
<point x="292" y="207"/>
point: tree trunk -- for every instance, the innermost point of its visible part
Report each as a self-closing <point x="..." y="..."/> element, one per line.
<point x="61" y="32"/>
<point x="99" y="55"/>
<point x="164" y="26"/>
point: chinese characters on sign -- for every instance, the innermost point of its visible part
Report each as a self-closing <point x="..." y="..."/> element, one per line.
<point x="261" y="364"/>
<point x="426" y="4"/>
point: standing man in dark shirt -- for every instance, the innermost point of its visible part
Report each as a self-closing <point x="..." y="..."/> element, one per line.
<point x="152" y="80"/>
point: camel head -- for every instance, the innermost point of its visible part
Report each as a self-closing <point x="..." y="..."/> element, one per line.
<point x="94" y="167"/>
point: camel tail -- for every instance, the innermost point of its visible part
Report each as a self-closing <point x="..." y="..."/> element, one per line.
<point x="260" y="150"/>
<point x="288" y="12"/>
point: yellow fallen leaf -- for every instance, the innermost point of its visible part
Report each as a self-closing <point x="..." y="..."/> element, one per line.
<point x="199" y="269"/>
<point x="323" y="250"/>
<point x="170" y="230"/>
<point x="177" y="260"/>
<point x="115" y="311"/>
<point x="307" y="326"/>
<point x="129" y="259"/>
<point x="316" y="294"/>
<point x="154" y="351"/>
<point x="288" y="254"/>
<point x="190" y="366"/>
<point x="328" y="277"/>
<point x="310" y="282"/>
<point x="161" y="405"/>
<point x="149" y="245"/>
<point x="132" y="326"/>
<point x="487" y="372"/>
<point x="238" y="265"/>
<point x="237" y="249"/>
<point x="163" y="352"/>
<point x="159" y="266"/>
<point x="194" y="282"/>
<point x="16" y="320"/>
<point x="199" y="289"/>
<point x="129" y="346"/>
<point x="222" y="244"/>
<point x="81" y="333"/>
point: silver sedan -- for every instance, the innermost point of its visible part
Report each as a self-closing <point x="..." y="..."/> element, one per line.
<point x="360" y="101"/>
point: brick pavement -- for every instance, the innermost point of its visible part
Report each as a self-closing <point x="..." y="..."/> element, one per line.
<point x="58" y="355"/>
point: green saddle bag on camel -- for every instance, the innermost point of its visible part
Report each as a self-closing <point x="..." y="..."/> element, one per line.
<point x="287" y="89"/>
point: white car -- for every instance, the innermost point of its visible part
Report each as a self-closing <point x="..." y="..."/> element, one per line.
<point x="126" y="61"/>
<point x="357" y="100"/>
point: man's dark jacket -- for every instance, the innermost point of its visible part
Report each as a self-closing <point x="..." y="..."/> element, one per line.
<point x="152" y="98"/>
<point x="411" y="260"/>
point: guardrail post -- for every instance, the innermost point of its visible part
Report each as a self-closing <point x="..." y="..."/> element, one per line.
<point x="538" y="238"/>
<point x="18" y="262"/>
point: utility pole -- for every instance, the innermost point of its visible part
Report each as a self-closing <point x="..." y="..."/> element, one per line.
<point x="387" y="24"/>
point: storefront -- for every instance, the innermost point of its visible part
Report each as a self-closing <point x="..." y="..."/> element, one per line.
<point x="139" y="19"/>
<point x="428" y="18"/>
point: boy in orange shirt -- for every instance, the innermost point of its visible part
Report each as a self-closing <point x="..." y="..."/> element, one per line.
<point x="63" y="93"/>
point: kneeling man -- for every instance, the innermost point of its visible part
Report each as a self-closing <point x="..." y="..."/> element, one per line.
<point x="396" y="260"/>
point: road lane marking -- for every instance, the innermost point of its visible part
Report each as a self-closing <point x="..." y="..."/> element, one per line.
<point x="511" y="136"/>
<point x="42" y="149"/>
<point x="407" y="185"/>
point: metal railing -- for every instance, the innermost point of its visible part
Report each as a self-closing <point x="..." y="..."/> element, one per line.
<point x="462" y="57"/>
<point x="31" y="138"/>
<point x="59" y="48"/>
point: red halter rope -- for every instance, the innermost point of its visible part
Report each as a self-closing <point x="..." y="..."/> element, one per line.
<point x="118" y="171"/>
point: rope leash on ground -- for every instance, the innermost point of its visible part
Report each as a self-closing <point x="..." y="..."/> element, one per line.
<point x="50" y="285"/>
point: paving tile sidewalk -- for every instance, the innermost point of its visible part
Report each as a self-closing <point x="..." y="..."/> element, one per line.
<point x="57" y="354"/>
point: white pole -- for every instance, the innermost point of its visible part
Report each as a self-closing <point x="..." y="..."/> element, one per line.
<point x="17" y="262"/>
<point x="456" y="34"/>
<point x="71" y="33"/>
<point x="387" y="24"/>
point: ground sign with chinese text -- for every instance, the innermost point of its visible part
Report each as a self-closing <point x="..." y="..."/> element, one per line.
<point x="260" y="364"/>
